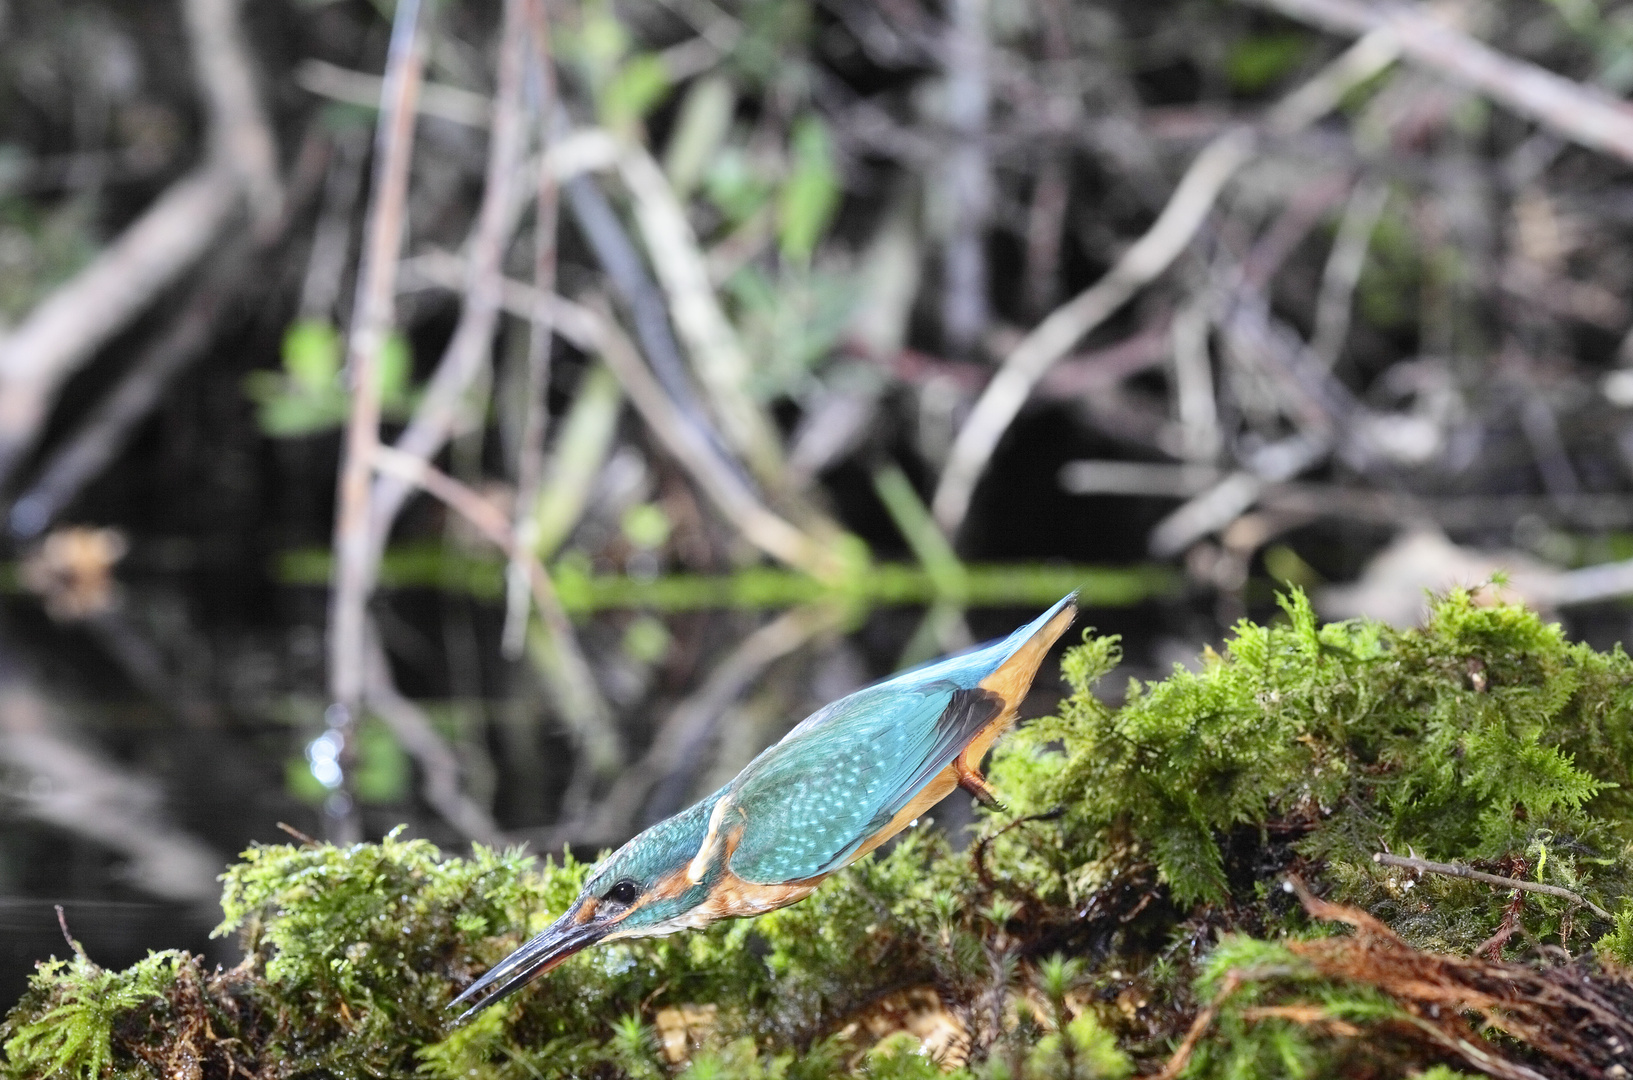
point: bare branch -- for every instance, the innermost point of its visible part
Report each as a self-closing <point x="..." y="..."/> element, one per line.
<point x="372" y="317"/>
<point x="468" y="349"/>
<point x="725" y="487"/>
<point x="1142" y="263"/>
<point x="1051" y="340"/>
<point x="717" y="354"/>
<point x="72" y="787"/>
<point x="536" y="385"/>
<point x="573" y="683"/>
<point x="1458" y="871"/>
<point x="360" y="88"/>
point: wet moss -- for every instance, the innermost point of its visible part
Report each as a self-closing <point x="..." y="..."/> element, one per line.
<point x="1135" y="894"/>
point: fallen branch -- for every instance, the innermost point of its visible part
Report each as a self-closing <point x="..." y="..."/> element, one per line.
<point x="83" y="455"/>
<point x="1467" y="873"/>
<point x="65" y="330"/>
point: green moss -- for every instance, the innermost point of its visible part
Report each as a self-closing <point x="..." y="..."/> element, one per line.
<point x="1138" y="873"/>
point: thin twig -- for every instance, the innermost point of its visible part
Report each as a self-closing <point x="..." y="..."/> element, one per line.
<point x="360" y="88"/>
<point x="1148" y="257"/>
<point x="1583" y="113"/>
<point x="536" y="385"/>
<point x="967" y="179"/>
<point x="1459" y="871"/>
<point x="725" y="488"/>
<point x="1199" y="1027"/>
<point x="372" y="317"/>
<point x="1027" y="363"/>
<point x="1343" y="270"/>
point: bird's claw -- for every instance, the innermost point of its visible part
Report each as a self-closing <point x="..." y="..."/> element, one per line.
<point x="977" y="786"/>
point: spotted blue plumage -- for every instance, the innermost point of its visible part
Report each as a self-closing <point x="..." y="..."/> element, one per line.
<point x="809" y="802"/>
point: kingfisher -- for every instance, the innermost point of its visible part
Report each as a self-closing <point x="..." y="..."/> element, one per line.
<point x="847" y="778"/>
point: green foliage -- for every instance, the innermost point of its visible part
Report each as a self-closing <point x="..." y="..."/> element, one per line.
<point x="72" y="1006"/>
<point x="1483" y="735"/>
<point x="1255" y="62"/>
<point x="810" y="194"/>
<point x="1072" y="940"/>
<point x="308" y="396"/>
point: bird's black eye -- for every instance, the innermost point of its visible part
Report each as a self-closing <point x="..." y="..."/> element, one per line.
<point x="624" y="892"/>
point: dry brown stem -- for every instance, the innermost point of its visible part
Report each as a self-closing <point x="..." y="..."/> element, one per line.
<point x="1574" y="1018"/>
<point x="1469" y="874"/>
<point x="468" y="350"/>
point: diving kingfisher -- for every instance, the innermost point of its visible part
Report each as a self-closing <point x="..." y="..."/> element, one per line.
<point x="850" y="776"/>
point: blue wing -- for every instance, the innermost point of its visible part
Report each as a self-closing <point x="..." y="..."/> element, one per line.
<point x="838" y="777"/>
<point x="828" y="790"/>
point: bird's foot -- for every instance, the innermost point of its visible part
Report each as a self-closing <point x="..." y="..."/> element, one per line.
<point x="976" y="784"/>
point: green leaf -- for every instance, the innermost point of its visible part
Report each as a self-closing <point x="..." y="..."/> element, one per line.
<point x="810" y="195"/>
<point x="634" y="90"/>
<point x="312" y="352"/>
<point x="1256" y="62"/>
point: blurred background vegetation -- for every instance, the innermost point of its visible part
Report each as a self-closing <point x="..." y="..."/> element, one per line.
<point x="885" y="325"/>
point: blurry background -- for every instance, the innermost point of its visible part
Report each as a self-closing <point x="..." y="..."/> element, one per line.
<point x="889" y="322"/>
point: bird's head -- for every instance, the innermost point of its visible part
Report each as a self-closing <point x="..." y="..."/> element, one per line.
<point x="651" y="886"/>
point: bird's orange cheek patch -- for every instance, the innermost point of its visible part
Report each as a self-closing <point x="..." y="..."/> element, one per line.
<point x="585" y="913"/>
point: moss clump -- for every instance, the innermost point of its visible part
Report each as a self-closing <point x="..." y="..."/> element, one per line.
<point x="1134" y="894"/>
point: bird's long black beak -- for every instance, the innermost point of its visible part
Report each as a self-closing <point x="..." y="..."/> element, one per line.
<point x="545" y="950"/>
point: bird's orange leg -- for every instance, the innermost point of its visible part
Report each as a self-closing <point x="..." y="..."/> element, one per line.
<point x="971" y="780"/>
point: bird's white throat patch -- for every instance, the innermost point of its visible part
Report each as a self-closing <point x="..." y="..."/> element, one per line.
<point x="711" y="842"/>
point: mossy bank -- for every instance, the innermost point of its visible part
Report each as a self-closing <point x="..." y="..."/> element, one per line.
<point x="1133" y="910"/>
